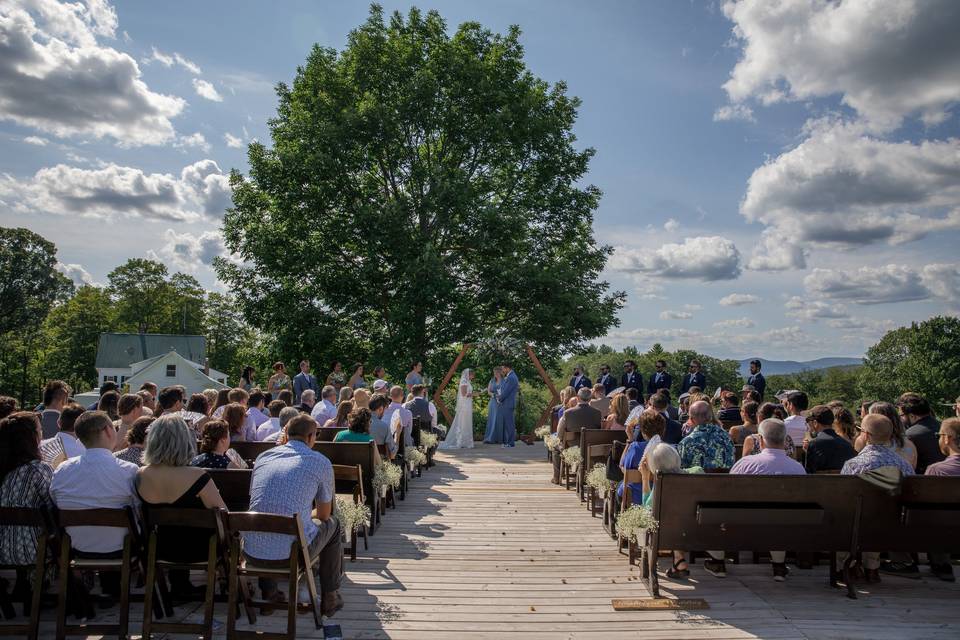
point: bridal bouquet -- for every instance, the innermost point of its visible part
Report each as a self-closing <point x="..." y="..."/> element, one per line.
<point x="386" y="475"/>
<point x="597" y="478"/>
<point x="572" y="456"/>
<point x="633" y="520"/>
<point x="428" y="440"/>
<point x="352" y="516"/>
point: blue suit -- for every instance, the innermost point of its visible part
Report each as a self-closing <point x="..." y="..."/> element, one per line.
<point x="665" y="381"/>
<point x="758" y="382"/>
<point x="303" y="381"/>
<point x="608" y="381"/>
<point x="506" y="407"/>
<point x="694" y="380"/>
<point x="584" y="381"/>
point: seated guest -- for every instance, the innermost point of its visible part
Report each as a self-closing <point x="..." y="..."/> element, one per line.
<point x="170" y="400"/>
<point x="361" y="399"/>
<point x="418" y="406"/>
<point x="96" y="480"/>
<point x="663" y="458"/>
<point x="565" y="394"/>
<point x="359" y="427"/>
<point x="696" y="396"/>
<point x="921" y="429"/>
<point x="708" y="446"/>
<point x="767" y="410"/>
<point x="729" y="408"/>
<point x="286" y="415"/>
<point x="24" y="482"/>
<point x="130" y="409"/>
<point x="619" y="410"/>
<point x="399" y="417"/>
<point x="660" y="402"/>
<point x="900" y="444"/>
<point x="272" y="425"/>
<point x="581" y="416"/>
<point x="772" y="460"/>
<point x="65" y="444"/>
<point x="827" y="451"/>
<point x="135" y="439"/>
<point x="293" y="478"/>
<point x="380" y="430"/>
<point x="255" y="408"/>
<point x="307" y="402"/>
<point x="671" y="412"/>
<point x="326" y="408"/>
<point x="796" y="402"/>
<point x="241" y="429"/>
<point x="748" y="423"/>
<point x="600" y="401"/>
<point x="649" y="432"/>
<point x="211" y="396"/>
<point x="167" y="481"/>
<point x="345" y="394"/>
<point x="749" y="393"/>
<point x="286" y="397"/>
<point x="105" y="388"/>
<point x="950" y="466"/>
<point x="633" y="398"/>
<point x="56" y="395"/>
<point x="844" y="424"/>
<point x="214" y="450"/>
<point x="8" y="405"/>
<point x="875" y="454"/>
<point x="108" y="404"/>
<point x="223" y="399"/>
<point x="150" y="397"/>
<point x="340" y="420"/>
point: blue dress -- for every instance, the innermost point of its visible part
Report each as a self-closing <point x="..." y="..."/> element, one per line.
<point x="632" y="461"/>
<point x="493" y="435"/>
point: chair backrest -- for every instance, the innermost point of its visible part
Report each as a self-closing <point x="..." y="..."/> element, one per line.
<point x="327" y="434"/>
<point x="27" y="517"/>
<point x="250" y="450"/>
<point x="211" y="519"/>
<point x="234" y="487"/>
<point x="352" y="474"/>
<point x="630" y="476"/>
<point x="415" y="430"/>
<point x="924" y="517"/>
<point x="362" y="454"/>
<point x="246" y="521"/>
<point x="737" y="451"/>
<point x="590" y="437"/>
<point x="571" y="439"/>
<point x="727" y="424"/>
<point x="119" y="518"/>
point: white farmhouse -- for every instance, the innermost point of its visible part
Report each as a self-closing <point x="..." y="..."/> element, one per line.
<point x="120" y="356"/>
<point x="173" y="369"/>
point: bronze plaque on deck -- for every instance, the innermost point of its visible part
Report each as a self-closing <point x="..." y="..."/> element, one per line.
<point x="658" y="604"/>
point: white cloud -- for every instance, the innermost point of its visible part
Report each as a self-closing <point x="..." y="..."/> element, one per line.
<point x="730" y="112"/>
<point x="194" y="140"/>
<point x="738" y="323"/>
<point x="943" y="281"/>
<point x="887" y="58"/>
<point x="112" y="191"/>
<point x="77" y="274"/>
<point x="36" y="140"/>
<point x="189" y="252"/>
<point x="888" y="284"/>
<point x="206" y="90"/>
<point x="810" y="310"/>
<point x="671" y="225"/>
<point x="54" y="76"/>
<point x="170" y="59"/>
<point x="707" y="258"/>
<point x="675" y="315"/>
<point x="232" y="141"/>
<point x="784" y="340"/>
<point x="739" y="299"/>
<point x="774" y="252"/>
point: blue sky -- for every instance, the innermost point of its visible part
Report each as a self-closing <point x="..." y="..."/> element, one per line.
<point x="801" y="157"/>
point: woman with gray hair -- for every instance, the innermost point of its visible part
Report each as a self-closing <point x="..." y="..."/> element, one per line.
<point x="167" y="481"/>
<point x="664" y="458"/>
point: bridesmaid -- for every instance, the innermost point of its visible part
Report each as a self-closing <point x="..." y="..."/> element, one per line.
<point x="491" y="436"/>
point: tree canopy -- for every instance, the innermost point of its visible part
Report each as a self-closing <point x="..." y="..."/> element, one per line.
<point x="422" y="189"/>
<point x="29" y="281"/>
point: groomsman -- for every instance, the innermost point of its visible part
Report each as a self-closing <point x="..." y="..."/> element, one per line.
<point x="694" y="378"/>
<point x="303" y="381"/>
<point x="756" y="379"/>
<point x="660" y="378"/>
<point x="580" y="379"/>
<point x="631" y="378"/>
<point x="607" y="380"/>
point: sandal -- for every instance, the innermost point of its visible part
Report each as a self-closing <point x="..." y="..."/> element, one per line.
<point x="676" y="573"/>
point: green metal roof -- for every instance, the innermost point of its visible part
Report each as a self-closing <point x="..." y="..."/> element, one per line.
<point x="120" y="350"/>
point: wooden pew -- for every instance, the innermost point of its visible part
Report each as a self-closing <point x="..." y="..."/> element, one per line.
<point x="250" y="450"/>
<point x="588" y="438"/>
<point x="234" y="487"/>
<point x="364" y="455"/>
<point x="327" y="434"/>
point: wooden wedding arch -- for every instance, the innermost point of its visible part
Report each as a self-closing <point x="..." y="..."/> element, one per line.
<point x="533" y="358"/>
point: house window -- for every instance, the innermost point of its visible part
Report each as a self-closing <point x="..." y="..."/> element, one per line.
<point x="109" y="378"/>
<point x="171" y="371"/>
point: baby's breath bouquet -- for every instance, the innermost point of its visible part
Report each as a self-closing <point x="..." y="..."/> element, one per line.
<point x="428" y="440"/>
<point x="552" y="442"/>
<point x="415" y="457"/>
<point x="352" y="516"/>
<point x="386" y="475"/>
<point x="633" y="520"/>
<point x="572" y="456"/>
<point x="597" y="478"/>
<point x="542" y="431"/>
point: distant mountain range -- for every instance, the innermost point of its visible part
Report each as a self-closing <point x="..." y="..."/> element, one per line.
<point x="782" y="367"/>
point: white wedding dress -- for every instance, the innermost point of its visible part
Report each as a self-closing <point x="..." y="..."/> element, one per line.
<point x="460" y="434"/>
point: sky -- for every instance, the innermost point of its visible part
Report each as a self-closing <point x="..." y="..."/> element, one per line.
<point x="780" y="179"/>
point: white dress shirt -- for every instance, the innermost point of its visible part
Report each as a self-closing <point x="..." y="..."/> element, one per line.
<point x="268" y="428"/>
<point x="796" y="428"/>
<point x="323" y="411"/>
<point x="397" y="416"/>
<point x="433" y="415"/>
<point x="94" y="480"/>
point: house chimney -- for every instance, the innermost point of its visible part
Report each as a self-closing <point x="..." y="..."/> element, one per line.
<point x="206" y="367"/>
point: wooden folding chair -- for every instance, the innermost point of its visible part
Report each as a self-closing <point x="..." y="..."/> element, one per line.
<point x="132" y="551"/>
<point x="41" y="520"/>
<point x="210" y="520"/>
<point x="596" y="453"/>
<point x="566" y="473"/>
<point x="354" y="475"/>
<point x="630" y="476"/>
<point x="301" y="565"/>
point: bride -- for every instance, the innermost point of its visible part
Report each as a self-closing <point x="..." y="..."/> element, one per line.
<point x="460" y="435"/>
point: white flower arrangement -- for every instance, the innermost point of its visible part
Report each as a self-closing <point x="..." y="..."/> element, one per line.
<point x="542" y="431"/>
<point x="633" y="520"/>
<point x="386" y="475"/>
<point x="415" y="457"/>
<point x="442" y="428"/>
<point x="572" y="456"/>
<point x="552" y="442"/>
<point x="597" y="478"/>
<point x="428" y="440"/>
<point x="352" y="516"/>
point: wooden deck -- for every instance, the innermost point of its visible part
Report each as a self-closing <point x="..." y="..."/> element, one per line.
<point x="485" y="547"/>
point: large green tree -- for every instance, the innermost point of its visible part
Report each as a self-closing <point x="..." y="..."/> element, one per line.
<point x="422" y="189"/>
<point x="29" y="281"/>
<point x="71" y="334"/>
<point x="148" y="300"/>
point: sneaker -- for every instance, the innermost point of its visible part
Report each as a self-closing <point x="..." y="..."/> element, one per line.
<point x="780" y="571"/>
<point x="716" y="568"/>
<point x="943" y="571"/>
<point x="902" y="569"/>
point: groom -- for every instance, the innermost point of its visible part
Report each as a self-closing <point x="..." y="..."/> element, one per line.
<point x="506" y="404"/>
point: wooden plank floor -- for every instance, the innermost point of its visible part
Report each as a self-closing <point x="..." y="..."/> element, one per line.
<point x="485" y="547"/>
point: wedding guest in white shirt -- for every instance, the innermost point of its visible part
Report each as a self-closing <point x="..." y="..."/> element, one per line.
<point x="65" y="444"/>
<point x="795" y="403"/>
<point x="255" y="406"/>
<point x="326" y="408"/>
<point x="96" y="480"/>
<point x="398" y="417"/>
<point x="286" y="415"/>
<point x="272" y="425"/>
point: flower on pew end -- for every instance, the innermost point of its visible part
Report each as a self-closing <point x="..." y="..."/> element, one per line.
<point x="415" y="457"/>
<point x="633" y="520"/>
<point x="351" y="515"/>
<point x="552" y="442"/>
<point x="387" y="474"/>
<point x="572" y="456"/>
<point x="542" y="431"/>
<point x="428" y="440"/>
<point x="597" y="478"/>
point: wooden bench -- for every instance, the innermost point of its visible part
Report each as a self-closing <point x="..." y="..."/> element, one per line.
<point x="327" y="434"/>
<point x="234" y="487"/>
<point x="250" y="450"/>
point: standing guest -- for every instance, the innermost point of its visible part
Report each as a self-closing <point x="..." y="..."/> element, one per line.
<point x="8" y="405"/>
<point x="170" y="400"/>
<point x="307" y="401"/>
<point x="65" y="444"/>
<point x="899" y="442"/>
<point x="130" y="409"/>
<point x="844" y="424"/>
<point x="708" y="446"/>
<point x="795" y="402"/>
<point x="399" y="417"/>
<point x="136" y="438"/>
<point x="248" y="378"/>
<point x="693" y="378"/>
<point x="55" y="397"/>
<point x="491" y="435"/>
<point x="96" y="480"/>
<point x="748" y="426"/>
<point x="580" y="379"/>
<point x="827" y="451"/>
<point x="286" y="415"/>
<point x="600" y="401"/>
<point x="340" y="419"/>
<point x="336" y="378"/>
<point x="279" y="381"/>
<point x="380" y="430"/>
<point x="211" y="396"/>
<point x="660" y="379"/>
<point x="25" y="483"/>
<point x="293" y="478"/>
<point x="108" y="404"/>
<point x="379" y="373"/>
<point x="631" y="378"/>
<point x="772" y="460"/>
<point x="606" y="380"/>
<point x="756" y="379"/>
<point x="729" y="408"/>
<point x="414" y="376"/>
<point x="105" y="388"/>
<point x="272" y="425"/>
<point x="356" y="380"/>
<point x="326" y="408"/>
<point x="632" y="398"/>
<point x="922" y="429"/>
<point x="304" y="380"/>
<point x="241" y="429"/>
<point x="649" y="432"/>
<point x="358" y="423"/>
<point x="167" y="481"/>
<point x="619" y="410"/>
<point x="256" y="403"/>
